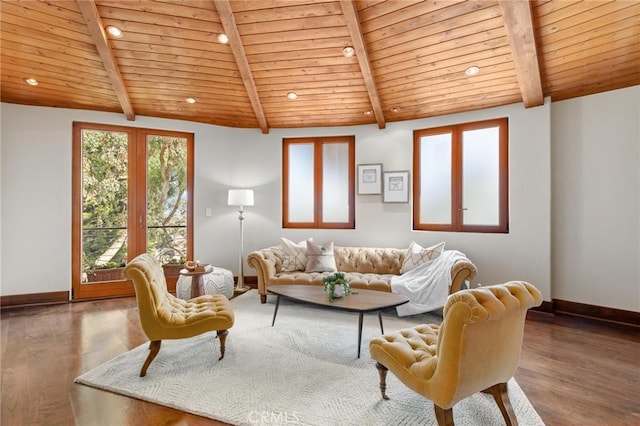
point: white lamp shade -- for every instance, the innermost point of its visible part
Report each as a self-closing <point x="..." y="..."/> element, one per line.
<point x="240" y="197"/>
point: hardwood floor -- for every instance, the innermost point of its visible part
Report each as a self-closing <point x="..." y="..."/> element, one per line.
<point x="574" y="371"/>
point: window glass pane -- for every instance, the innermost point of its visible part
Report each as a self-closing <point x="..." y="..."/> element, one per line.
<point x="104" y="204"/>
<point x="435" y="179"/>
<point x="300" y="194"/>
<point x="335" y="182"/>
<point x="480" y="176"/>
<point x="167" y="198"/>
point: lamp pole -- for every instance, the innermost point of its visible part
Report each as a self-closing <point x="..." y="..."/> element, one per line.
<point x="241" y="198"/>
<point x="240" y="285"/>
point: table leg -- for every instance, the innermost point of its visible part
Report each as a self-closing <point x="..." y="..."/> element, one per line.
<point x="196" y="282"/>
<point x="360" y="332"/>
<point x="275" y="311"/>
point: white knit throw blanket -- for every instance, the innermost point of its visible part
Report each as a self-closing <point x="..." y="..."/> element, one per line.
<point x="426" y="286"/>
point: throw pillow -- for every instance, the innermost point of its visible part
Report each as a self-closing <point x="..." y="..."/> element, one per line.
<point x="320" y="257"/>
<point x="295" y="255"/>
<point x="417" y="256"/>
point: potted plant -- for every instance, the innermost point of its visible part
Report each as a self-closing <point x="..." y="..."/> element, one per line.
<point x="110" y="271"/>
<point x="336" y="285"/>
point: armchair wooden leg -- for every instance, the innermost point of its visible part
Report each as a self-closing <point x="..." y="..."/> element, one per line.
<point x="222" y="335"/>
<point x="382" y="372"/>
<point x="500" y="395"/>
<point x="154" y="348"/>
<point x="263" y="298"/>
<point x="443" y="417"/>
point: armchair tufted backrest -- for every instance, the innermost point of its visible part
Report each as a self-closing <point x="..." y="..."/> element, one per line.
<point x="151" y="290"/>
<point x="480" y="338"/>
<point x="369" y="260"/>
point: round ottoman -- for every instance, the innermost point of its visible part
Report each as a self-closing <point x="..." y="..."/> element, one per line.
<point x="218" y="281"/>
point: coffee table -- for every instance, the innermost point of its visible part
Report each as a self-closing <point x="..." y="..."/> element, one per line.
<point x="363" y="301"/>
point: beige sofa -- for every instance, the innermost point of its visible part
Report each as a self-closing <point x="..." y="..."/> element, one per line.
<point x="365" y="268"/>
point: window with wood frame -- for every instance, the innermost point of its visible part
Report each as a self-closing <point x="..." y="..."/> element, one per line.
<point x="318" y="176"/>
<point x="461" y="177"/>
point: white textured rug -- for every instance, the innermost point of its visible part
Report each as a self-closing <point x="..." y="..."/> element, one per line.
<point x="303" y="370"/>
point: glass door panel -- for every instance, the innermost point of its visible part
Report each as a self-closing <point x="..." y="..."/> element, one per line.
<point x="104" y="205"/>
<point x="101" y="237"/>
<point x="166" y="193"/>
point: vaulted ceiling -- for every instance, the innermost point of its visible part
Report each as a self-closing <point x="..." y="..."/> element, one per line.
<point x="409" y="61"/>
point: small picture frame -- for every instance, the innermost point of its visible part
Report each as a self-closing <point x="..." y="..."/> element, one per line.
<point x="369" y="179"/>
<point x="396" y="187"/>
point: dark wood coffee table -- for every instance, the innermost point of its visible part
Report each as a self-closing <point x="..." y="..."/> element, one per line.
<point x="364" y="301"/>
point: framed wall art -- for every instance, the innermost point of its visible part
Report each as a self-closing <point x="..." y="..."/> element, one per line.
<point x="369" y="179"/>
<point x="396" y="187"/>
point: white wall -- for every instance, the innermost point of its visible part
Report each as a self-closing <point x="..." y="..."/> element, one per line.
<point x="596" y="199"/>
<point x="36" y="194"/>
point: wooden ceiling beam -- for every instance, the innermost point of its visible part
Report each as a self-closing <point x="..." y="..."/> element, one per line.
<point x="519" y="24"/>
<point x="231" y="30"/>
<point x="353" y="24"/>
<point x="96" y="29"/>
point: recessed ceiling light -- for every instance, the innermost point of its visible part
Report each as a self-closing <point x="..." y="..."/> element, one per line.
<point x="222" y="38"/>
<point x="348" y="52"/>
<point x="292" y="95"/>
<point x="114" y="31"/>
<point x="368" y="113"/>
<point x="31" y="81"/>
<point x="190" y="100"/>
<point x="395" y="109"/>
<point x="473" y="70"/>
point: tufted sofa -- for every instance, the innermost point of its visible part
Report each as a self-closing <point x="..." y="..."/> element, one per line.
<point x="365" y="268"/>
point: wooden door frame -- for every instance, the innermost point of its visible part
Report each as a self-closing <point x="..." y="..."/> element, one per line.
<point x="136" y="243"/>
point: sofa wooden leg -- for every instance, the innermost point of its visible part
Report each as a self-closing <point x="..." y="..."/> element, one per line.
<point x="500" y="395"/>
<point x="263" y="298"/>
<point x="443" y="417"/>
<point x="222" y="335"/>
<point x="382" y="372"/>
<point x="154" y="348"/>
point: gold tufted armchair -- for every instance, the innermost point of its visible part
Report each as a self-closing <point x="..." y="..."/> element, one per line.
<point x="163" y="316"/>
<point x="475" y="349"/>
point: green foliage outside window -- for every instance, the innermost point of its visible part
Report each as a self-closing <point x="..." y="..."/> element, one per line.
<point x="105" y="203"/>
<point x="167" y="197"/>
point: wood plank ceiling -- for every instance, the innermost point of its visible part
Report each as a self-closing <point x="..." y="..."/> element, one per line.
<point x="409" y="62"/>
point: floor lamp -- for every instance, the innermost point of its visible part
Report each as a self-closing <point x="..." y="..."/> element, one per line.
<point x="241" y="198"/>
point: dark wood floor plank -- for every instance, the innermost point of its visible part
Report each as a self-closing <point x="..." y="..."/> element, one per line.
<point x="578" y="372"/>
<point x="574" y="372"/>
<point x="15" y="396"/>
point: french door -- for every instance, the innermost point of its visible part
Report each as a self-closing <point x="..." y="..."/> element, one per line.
<point x="132" y="193"/>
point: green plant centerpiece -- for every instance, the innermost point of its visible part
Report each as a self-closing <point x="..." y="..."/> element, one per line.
<point x="336" y="285"/>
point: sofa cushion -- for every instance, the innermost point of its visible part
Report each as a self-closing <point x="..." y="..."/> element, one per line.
<point x="294" y="256"/>
<point x="369" y="260"/>
<point x="320" y="257"/>
<point x="379" y="282"/>
<point x="417" y="255"/>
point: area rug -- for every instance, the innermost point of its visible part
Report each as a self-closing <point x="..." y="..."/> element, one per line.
<point x="304" y="370"/>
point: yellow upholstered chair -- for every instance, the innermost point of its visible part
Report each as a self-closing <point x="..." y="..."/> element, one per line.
<point x="164" y="316"/>
<point x="475" y="349"/>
